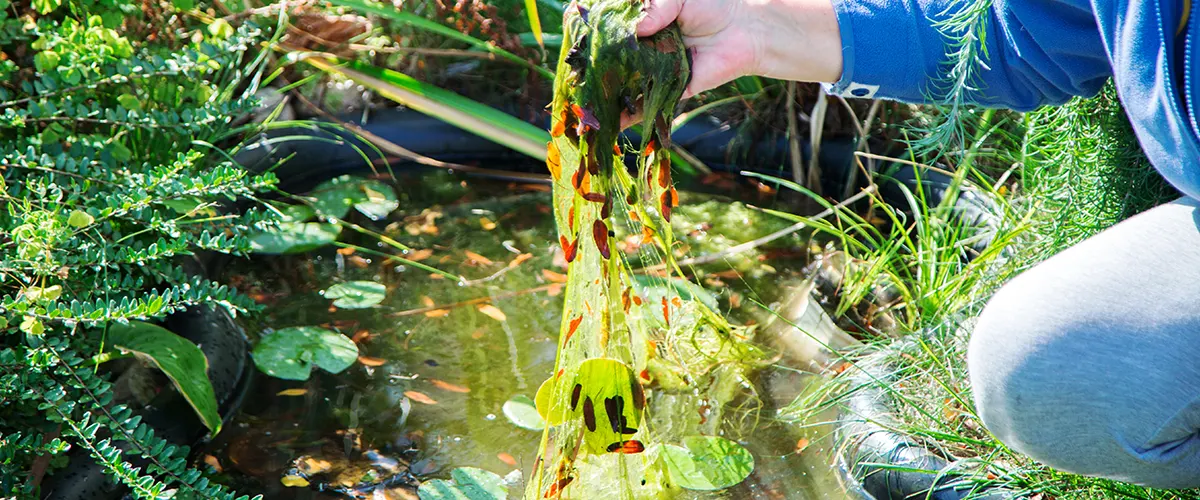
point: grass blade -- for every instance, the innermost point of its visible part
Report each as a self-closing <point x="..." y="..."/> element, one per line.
<point x="535" y="24"/>
<point x="467" y="114"/>
<point x="425" y="24"/>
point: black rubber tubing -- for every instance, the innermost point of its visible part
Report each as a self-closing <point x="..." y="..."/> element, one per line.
<point x="311" y="162"/>
<point x="890" y="465"/>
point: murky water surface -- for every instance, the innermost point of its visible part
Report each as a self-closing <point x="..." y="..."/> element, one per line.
<point x="438" y="365"/>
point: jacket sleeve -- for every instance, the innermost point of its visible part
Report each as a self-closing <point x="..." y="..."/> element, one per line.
<point x="1033" y="52"/>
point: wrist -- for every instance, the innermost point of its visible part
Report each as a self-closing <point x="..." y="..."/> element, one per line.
<point x="796" y="39"/>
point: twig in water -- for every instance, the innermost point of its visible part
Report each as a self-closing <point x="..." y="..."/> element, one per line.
<point x="471" y="302"/>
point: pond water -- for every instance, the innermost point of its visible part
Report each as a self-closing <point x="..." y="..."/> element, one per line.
<point x="439" y="359"/>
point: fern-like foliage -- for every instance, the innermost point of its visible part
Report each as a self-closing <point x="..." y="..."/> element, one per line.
<point x="108" y="113"/>
<point x="964" y="28"/>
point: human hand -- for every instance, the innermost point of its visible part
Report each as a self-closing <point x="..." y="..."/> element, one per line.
<point x="786" y="39"/>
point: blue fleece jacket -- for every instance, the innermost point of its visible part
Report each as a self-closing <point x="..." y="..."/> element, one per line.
<point x="1042" y="52"/>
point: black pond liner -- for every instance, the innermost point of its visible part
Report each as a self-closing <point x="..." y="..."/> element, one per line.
<point x="225" y="345"/>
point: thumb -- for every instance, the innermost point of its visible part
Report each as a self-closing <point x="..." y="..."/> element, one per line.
<point x="659" y="13"/>
<point x="712" y="67"/>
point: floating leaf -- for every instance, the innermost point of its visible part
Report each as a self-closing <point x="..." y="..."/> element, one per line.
<point x="79" y="219"/>
<point x="420" y="397"/>
<point x="180" y="359"/>
<point x="507" y="459"/>
<point x="356" y="294"/>
<point x="707" y="463"/>
<point x="466" y="483"/>
<point x="294" y="237"/>
<point x="522" y="412"/>
<point x="291" y="353"/>
<point x="335" y="197"/>
<point x="492" y="312"/>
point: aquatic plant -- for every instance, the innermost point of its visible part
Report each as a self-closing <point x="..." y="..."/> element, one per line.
<point x="627" y="367"/>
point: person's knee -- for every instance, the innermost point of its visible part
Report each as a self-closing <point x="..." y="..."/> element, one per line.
<point x="1052" y="383"/>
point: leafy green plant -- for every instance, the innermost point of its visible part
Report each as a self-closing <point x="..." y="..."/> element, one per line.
<point x="109" y="180"/>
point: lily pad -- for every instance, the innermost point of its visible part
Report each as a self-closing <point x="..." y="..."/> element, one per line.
<point x="294" y="237"/>
<point x="707" y="463"/>
<point x="522" y="412"/>
<point x="335" y="197"/>
<point x="180" y="359"/>
<point x="356" y="294"/>
<point x="466" y="483"/>
<point x="291" y="353"/>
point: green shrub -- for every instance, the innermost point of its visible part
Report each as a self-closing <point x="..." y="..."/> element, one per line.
<point x="109" y="112"/>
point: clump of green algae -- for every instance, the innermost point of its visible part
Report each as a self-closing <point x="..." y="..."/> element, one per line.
<point x="631" y="375"/>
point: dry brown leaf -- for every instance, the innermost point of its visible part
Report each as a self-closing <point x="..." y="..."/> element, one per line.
<point x="292" y="392"/>
<point x="369" y="361"/>
<point x="486" y="224"/>
<point x="447" y="386"/>
<point x="555" y="290"/>
<point x="358" y="262"/>
<point x="492" y="312"/>
<point x="420" y="397"/>
<point x="436" y="276"/>
<point x="801" y="445"/>
<point x="360" y="336"/>
<point x="437" y="313"/>
<point x="345" y="251"/>
<point x="506" y="458"/>
<point x="419" y="255"/>
<point x="478" y="258"/>
<point x="519" y="259"/>
<point x="427" y="301"/>
<point x="554" y="277"/>
<point x="213" y="462"/>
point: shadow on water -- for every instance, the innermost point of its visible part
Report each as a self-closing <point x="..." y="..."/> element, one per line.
<point x="439" y="359"/>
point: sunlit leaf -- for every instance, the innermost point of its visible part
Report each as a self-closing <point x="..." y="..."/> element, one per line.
<point x="552" y="402"/>
<point x="707" y="463"/>
<point x="79" y="218"/>
<point x="452" y="108"/>
<point x="466" y="483"/>
<point x="356" y="294"/>
<point x="535" y="23"/>
<point x="291" y="353"/>
<point x="608" y="398"/>
<point x="178" y="358"/>
<point x="521" y="411"/>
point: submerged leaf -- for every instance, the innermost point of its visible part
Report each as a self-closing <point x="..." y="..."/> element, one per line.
<point x="294" y="237"/>
<point x="466" y="483"/>
<point x="707" y="463"/>
<point x="356" y="294"/>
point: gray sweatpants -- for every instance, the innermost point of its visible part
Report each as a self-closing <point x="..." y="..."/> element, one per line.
<point x="1090" y="362"/>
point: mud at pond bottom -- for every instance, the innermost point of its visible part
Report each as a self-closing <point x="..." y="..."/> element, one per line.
<point x="439" y="359"/>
